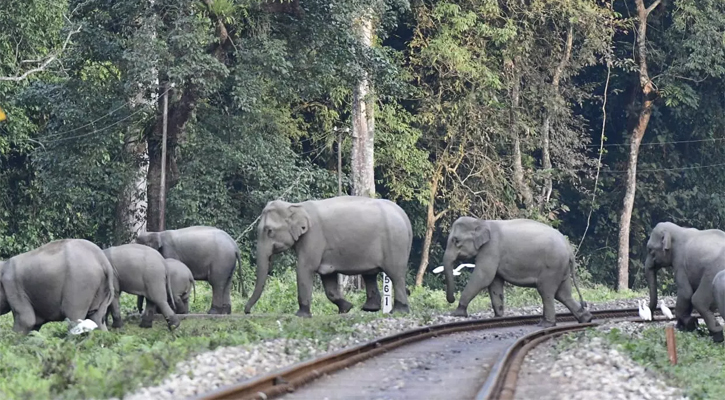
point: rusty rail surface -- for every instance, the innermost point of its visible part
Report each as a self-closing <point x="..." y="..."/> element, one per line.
<point x="288" y="379"/>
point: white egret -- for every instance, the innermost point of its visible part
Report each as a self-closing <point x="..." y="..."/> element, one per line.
<point x="666" y="311"/>
<point x="81" y="326"/>
<point x="644" y="311"/>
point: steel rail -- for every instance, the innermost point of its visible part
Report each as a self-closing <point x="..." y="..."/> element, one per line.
<point x="290" y="378"/>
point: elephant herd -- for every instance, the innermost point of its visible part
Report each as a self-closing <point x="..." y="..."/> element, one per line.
<point x="349" y="235"/>
<point x="75" y="279"/>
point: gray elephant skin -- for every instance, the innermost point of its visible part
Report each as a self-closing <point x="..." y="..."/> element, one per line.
<point x="696" y="257"/>
<point x="522" y="252"/>
<point x="210" y="253"/>
<point x="182" y="283"/>
<point x="341" y="235"/>
<point x="141" y="270"/>
<point x="69" y="278"/>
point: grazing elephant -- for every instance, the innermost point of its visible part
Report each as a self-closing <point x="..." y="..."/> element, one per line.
<point x="522" y="252"/>
<point x="141" y="271"/>
<point x="182" y="283"/>
<point x="696" y="257"/>
<point x="69" y="278"/>
<point x="341" y="235"/>
<point x="210" y="253"/>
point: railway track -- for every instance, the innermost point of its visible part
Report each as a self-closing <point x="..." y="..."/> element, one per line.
<point x="495" y="347"/>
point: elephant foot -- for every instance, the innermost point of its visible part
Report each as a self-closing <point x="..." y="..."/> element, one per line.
<point x="146" y="323"/>
<point x="400" y="307"/>
<point x="585" y="317"/>
<point x="173" y="322"/>
<point x="461" y="311"/>
<point x="117" y="323"/>
<point x="343" y="306"/>
<point x="304" y="312"/>
<point x="717" y="337"/>
<point x="498" y="312"/>
<point x="687" y="324"/>
<point x="546" y="324"/>
<point x="227" y="309"/>
<point x="217" y="310"/>
<point x="372" y="305"/>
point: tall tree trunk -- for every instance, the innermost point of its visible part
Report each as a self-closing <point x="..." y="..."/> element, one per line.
<point x="523" y="188"/>
<point x="648" y="96"/>
<point x="550" y="112"/>
<point x="363" y="131"/>
<point x="430" y="221"/>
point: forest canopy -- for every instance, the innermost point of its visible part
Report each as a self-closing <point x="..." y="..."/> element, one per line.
<point x="491" y="108"/>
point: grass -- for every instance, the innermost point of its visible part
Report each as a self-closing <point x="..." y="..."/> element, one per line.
<point x="700" y="368"/>
<point x="53" y="364"/>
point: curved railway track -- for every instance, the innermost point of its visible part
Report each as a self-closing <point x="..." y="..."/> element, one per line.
<point x="498" y="380"/>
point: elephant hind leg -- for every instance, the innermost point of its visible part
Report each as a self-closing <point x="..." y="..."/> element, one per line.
<point x="332" y="290"/>
<point x="547" y="299"/>
<point x="563" y="295"/>
<point x="115" y="310"/>
<point x="372" y="303"/>
<point x="221" y="287"/>
<point x="702" y="300"/>
<point x="400" y="301"/>
<point x="495" y="292"/>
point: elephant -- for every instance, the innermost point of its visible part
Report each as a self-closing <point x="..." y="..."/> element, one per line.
<point x="696" y="257"/>
<point x="68" y="278"/>
<point x="210" y="253"/>
<point x="339" y="235"/>
<point x="522" y="252"/>
<point x="141" y="270"/>
<point x="182" y="283"/>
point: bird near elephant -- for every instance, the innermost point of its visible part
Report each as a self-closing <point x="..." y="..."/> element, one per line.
<point x="347" y="235"/>
<point x="522" y="252"/>
<point x="68" y="278"/>
<point x="210" y="254"/>
<point x="696" y="256"/>
<point x="141" y="271"/>
<point x="182" y="283"/>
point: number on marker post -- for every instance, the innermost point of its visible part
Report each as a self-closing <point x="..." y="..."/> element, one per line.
<point x="387" y="294"/>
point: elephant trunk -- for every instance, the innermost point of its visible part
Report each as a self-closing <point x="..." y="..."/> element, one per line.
<point x="448" y="258"/>
<point x="264" y="257"/>
<point x="651" y="275"/>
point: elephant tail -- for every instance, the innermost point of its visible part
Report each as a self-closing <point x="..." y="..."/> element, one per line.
<point x="572" y="269"/>
<point x="238" y="254"/>
<point x="169" y="292"/>
<point x="139" y="304"/>
<point x="193" y="286"/>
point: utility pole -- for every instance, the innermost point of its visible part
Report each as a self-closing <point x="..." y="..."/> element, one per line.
<point x="339" y="161"/>
<point x="162" y="189"/>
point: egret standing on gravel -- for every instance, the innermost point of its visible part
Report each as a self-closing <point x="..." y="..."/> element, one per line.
<point x="666" y="311"/>
<point x="644" y="311"/>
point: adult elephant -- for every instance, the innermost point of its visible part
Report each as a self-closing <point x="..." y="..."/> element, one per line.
<point x="522" y="252"/>
<point x="696" y="256"/>
<point x="210" y="253"/>
<point x="342" y="235"/>
<point x="69" y="278"/>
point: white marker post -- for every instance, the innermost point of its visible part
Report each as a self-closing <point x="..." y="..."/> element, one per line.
<point x="387" y="294"/>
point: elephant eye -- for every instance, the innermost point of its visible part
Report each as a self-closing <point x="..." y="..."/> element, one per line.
<point x="270" y="233"/>
<point x="456" y="241"/>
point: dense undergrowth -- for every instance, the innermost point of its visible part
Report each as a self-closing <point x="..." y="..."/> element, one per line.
<point x="700" y="368"/>
<point x="52" y="364"/>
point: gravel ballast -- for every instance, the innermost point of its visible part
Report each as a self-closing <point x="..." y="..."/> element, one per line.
<point x="228" y="365"/>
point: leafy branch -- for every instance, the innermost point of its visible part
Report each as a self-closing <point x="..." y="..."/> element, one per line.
<point x="44" y="64"/>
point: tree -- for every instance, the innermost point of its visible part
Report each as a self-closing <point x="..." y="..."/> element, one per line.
<point x="648" y="95"/>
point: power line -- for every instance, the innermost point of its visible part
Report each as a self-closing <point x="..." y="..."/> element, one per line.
<point x="658" y="143"/>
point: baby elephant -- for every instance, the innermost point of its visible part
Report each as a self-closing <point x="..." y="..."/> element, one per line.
<point x="141" y="270"/>
<point x="67" y="278"/>
<point x="182" y="282"/>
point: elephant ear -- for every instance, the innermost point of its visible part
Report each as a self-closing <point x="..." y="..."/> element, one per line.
<point x="666" y="241"/>
<point x="481" y="235"/>
<point x="299" y="222"/>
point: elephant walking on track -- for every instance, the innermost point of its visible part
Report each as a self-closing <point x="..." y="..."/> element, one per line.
<point x="342" y="235"/>
<point x="69" y="278"/>
<point x="522" y="252"/>
<point x="210" y="254"/>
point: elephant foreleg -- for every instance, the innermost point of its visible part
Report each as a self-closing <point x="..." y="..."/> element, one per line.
<point x="147" y="318"/>
<point x="332" y="290"/>
<point x="304" y="289"/>
<point x="702" y="300"/>
<point x="116" y="312"/>
<point x="495" y="292"/>
<point x="372" y="303"/>
<point x="481" y="277"/>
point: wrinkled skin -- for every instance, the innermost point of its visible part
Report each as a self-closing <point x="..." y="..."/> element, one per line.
<point x="210" y="254"/>
<point x="182" y="283"/>
<point x="141" y="271"/>
<point x="342" y="235"/>
<point x="696" y="256"/>
<point x="68" y="278"/>
<point x="522" y="252"/>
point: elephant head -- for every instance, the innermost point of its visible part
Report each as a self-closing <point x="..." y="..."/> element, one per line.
<point x="659" y="255"/>
<point x="150" y="239"/>
<point x="467" y="237"/>
<point x="281" y="225"/>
